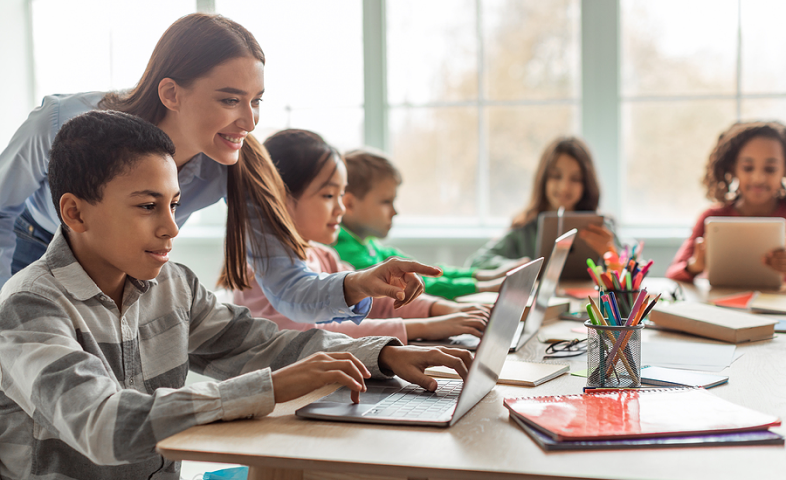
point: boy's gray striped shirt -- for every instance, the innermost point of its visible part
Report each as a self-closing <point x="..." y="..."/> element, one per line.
<point x="86" y="391"/>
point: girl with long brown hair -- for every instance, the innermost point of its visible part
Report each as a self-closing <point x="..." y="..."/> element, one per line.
<point x="202" y="86"/>
<point x="565" y="178"/>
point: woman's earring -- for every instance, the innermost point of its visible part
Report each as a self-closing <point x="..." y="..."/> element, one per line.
<point x="782" y="190"/>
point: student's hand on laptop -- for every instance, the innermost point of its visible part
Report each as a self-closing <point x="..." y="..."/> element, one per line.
<point x="598" y="238"/>
<point x="318" y="370"/>
<point x="395" y="278"/>
<point x="484" y="275"/>
<point x="776" y="260"/>
<point x="696" y="263"/>
<point x="444" y="326"/>
<point x="446" y="307"/>
<point x="410" y="362"/>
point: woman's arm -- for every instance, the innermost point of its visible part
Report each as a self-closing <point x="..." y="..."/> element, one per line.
<point x="23" y="168"/>
<point x="516" y="244"/>
<point x="24" y="165"/>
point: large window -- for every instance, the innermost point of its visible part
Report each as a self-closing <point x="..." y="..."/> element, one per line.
<point x="465" y="94"/>
<point x="314" y="64"/>
<point x="84" y="45"/>
<point x="684" y="80"/>
<point x="476" y="89"/>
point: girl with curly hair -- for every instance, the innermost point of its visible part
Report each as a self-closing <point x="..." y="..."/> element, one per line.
<point x="745" y="175"/>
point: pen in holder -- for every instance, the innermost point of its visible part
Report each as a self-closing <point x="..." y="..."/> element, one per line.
<point x="614" y="355"/>
<point x="624" y="299"/>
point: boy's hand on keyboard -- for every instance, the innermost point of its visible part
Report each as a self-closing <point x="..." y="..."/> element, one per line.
<point x="444" y="326"/>
<point x="410" y="362"/>
<point x="318" y="370"/>
<point x="395" y="278"/>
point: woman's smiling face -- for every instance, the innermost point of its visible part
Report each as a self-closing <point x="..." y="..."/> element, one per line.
<point x="217" y="111"/>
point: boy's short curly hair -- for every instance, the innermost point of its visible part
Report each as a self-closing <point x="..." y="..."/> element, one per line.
<point x="365" y="168"/>
<point x="720" y="166"/>
<point x="93" y="148"/>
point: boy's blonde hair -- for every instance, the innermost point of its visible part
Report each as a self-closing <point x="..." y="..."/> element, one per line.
<point x="365" y="168"/>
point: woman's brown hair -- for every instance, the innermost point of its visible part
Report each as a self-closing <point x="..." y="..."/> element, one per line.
<point x="576" y="149"/>
<point x="720" y="166"/>
<point x="189" y="49"/>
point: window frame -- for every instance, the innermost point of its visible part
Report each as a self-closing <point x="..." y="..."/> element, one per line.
<point x="600" y="107"/>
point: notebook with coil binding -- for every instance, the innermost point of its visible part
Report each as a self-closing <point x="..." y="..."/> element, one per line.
<point x="636" y="413"/>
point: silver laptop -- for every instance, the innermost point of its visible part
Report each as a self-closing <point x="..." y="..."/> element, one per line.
<point x="546" y="289"/>
<point x="397" y="402"/>
<point x="531" y="324"/>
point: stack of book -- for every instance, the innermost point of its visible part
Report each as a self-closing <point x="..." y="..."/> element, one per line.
<point x="675" y="417"/>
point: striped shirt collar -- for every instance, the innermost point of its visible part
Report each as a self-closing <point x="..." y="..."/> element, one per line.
<point x="69" y="272"/>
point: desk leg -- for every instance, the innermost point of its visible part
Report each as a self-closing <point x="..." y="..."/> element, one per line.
<point x="256" y="473"/>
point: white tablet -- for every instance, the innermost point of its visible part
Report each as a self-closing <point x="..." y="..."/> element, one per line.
<point x="736" y="246"/>
<point x="551" y="226"/>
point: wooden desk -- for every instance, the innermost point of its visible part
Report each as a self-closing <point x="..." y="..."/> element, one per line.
<point x="485" y="443"/>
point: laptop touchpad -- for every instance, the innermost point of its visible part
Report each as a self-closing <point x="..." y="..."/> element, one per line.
<point x="377" y="390"/>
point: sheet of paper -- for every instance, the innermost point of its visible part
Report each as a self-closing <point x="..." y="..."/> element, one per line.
<point x="707" y="357"/>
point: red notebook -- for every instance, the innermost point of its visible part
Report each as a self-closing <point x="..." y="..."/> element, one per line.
<point x="636" y="413"/>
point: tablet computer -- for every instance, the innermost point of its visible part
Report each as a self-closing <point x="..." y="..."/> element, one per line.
<point x="735" y="247"/>
<point x="551" y="225"/>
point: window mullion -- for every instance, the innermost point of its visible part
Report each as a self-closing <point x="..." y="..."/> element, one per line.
<point x="206" y="6"/>
<point x="483" y="174"/>
<point x="375" y="74"/>
<point x="600" y="96"/>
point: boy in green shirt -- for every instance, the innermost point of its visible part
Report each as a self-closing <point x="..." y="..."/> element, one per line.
<point x="372" y="184"/>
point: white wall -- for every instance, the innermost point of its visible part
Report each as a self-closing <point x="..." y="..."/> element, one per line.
<point x="16" y="80"/>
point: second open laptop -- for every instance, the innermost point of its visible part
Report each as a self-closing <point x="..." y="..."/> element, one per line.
<point x="396" y="402"/>
<point x="530" y="325"/>
<point x="546" y="289"/>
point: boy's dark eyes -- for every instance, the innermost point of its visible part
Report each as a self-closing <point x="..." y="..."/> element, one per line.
<point x="152" y="206"/>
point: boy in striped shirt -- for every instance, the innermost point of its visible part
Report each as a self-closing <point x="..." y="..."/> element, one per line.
<point x="96" y="337"/>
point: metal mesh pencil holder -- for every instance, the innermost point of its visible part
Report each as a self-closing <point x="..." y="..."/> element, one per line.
<point x="613" y="356"/>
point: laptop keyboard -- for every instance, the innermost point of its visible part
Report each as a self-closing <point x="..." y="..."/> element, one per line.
<point x="414" y="401"/>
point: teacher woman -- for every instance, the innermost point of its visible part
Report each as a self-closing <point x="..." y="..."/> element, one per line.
<point x="202" y="86"/>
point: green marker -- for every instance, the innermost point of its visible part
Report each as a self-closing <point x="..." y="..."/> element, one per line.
<point x="592" y="315"/>
<point x="591" y="264"/>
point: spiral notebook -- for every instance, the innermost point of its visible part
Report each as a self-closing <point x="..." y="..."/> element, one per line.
<point x="514" y="372"/>
<point x="636" y="413"/>
<point x="760" y="437"/>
